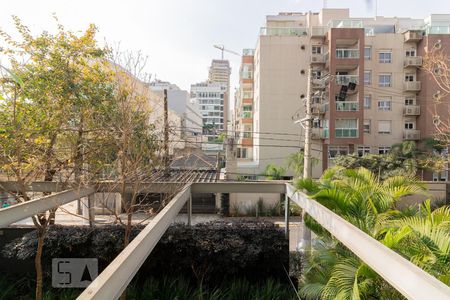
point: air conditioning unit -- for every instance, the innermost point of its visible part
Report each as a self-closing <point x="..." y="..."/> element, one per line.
<point x="409" y="110"/>
<point x="314" y="58"/>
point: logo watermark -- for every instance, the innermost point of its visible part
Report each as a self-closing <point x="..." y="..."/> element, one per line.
<point x="73" y="272"/>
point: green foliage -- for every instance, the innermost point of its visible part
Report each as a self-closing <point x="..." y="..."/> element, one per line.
<point x="296" y="162"/>
<point x="274" y="172"/>
<point x="368" y="202"/>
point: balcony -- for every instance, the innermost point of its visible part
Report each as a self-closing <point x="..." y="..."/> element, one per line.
<point x="411" y="134"/>
<point x="413" y="35"/>
<point x="318" y="58"/>
<point x="412" y="61"/>
<point x="318" y="84"/>
<point x="345" y="24"/>
<point x="318" y="31"/>
<point x="347" y="106"/>
<point x="412" y="86"/>
<point x="346" y="79"/>
<point x="318" y="108"/>
<point x="347" y="53"/>
<point x="445" y="29"/>
<point x="317" y="134"/>
<point x="411" y="110"/>
<point x="283" y="31"/>
<point x="346" y="132"/>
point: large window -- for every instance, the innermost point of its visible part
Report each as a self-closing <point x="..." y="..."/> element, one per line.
<point x="384" y="80"/>
<point x="384" y="127"/>
<point x="385" y="56"/>
<point x="346" y="128"/>
<point x="334" y="151"/>
<point x="385" y="104"/>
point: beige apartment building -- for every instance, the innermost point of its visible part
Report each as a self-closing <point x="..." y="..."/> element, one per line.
<point x="220" y="72"/>
<point x="392" y="99"/>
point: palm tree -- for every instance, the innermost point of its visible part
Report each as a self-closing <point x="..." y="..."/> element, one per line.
<point x="361" y="198"/>
<point x="296" y="162"/>
<point x="274" y="172"/>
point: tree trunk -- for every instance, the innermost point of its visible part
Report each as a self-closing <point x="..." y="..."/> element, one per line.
<point x="38" y="263"/>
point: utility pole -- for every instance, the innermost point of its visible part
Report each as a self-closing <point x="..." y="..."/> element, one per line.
<point x="166" y="134"/>
<point x="307" y="165"/>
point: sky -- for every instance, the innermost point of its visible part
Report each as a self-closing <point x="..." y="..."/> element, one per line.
<point x="178" y="35"/>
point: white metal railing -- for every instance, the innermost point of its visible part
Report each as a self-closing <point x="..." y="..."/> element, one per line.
<point x="404" y="276"/>
<point x="407" y="278"/>
<point x="413" y="61"/>
<point x="414" y="86"/>
<point x="347" y="53"/>
<point x="346" y="79"/>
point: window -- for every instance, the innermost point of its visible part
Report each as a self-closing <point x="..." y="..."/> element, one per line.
<point x="409" y="101"/>
<point x="367" y="53"/>
<point x="334" y="151"/>
<point x="345" y="128"/>
<point x="409" y="77"/>
<point x="367" y="77"/>
<point x="248" y="94"/>
<point x="384" y="127"/>
<point x="316" y="74"/>
<point x="409" y="125"/>
<point x="316" y="49"/>
<point x="367" y="101"/>
<point x="384" y="104"/>
<point x="385" y="56"/>
<point x="410" y="52"/>
<point x="383" y="150"/>
<point x="363" y="150"/>
<point x="367" y="126"/>
<point x="384" y="80"/>
<point x="247" y="108"/>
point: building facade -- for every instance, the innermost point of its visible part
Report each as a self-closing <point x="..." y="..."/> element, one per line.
<point x="368" y="89"/>
<point x="220" y="72"/>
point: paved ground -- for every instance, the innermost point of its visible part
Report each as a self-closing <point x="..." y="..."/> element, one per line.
<point x="67" y="216"/>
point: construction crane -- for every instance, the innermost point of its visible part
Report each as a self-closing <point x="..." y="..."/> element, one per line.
<point x="222" y="48"/>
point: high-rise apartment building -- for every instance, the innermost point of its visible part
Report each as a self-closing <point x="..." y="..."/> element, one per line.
<point x="210" y="97"/>
<point x="391" y="100"/>
<point x="220" y="72"/>
<point x="243" y="108"/>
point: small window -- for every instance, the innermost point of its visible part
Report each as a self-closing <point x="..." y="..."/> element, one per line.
<point x="367" y="101"/>
<point x="367" y="126"/>
<point x="410" y="53"/>
<point x="367" y="77"/>
<point x="385" y="104"/>
<point x="385" y="57"/>
<point x="409" y="101"/>
<point x="383" y="150"/>
<point x="316" y="74"/>
<point x="409" y="125"/>
<point x="384" y="80"/>
<point x="368" y="53"/>
<point x="316" y="49"/>
<point x="384" y="127"/>
<point x="409" y="77"/>
<point x="363" y="150"/>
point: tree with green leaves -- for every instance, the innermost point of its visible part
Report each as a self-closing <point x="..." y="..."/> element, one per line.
<point x="273" y="172"/>
<point x="369" y="203"/>
<point x="296" y="162"/>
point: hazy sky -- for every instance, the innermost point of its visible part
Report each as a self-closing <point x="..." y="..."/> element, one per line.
<point x="178" y="35"/>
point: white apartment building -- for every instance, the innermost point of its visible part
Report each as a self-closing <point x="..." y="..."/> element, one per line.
<point x="220" y="72"/>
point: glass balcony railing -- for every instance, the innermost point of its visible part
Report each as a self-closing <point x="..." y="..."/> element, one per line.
<point x="248" y="52"/>
<point x="346" y="132"/>
<point x="437" y="29"/>
<point x="347" y="106"/>
<point x="283" y="31"/>
<point x="345" y="24"/>
<point x="246" y="114"/>
<point x="346" y="79"/>
<point x="347" y="53"/>
<point x="326" y="133"/>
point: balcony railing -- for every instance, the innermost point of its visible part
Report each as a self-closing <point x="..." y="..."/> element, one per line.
<point x="411" y="110"/>
<point x="413" y="61"/>
<point x="346" y="132"/>
<point x="283" y="31"/>
<point x="318" y="108"/>
<point x="246" y="114"/>
<point x="317" y="134"/>
<point x="411" y="135"/>
<point x="347" y="106"/>
<point x="346" y="79"/>
<point x="438" y="29"/>
<point x="412" y="86"/>
<point x="413" y="35"/>
<point x="318" y="31"/>
<point x="345" y="24"/>
<point x="347" y="53"/>
<point x="318" y="58"/>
